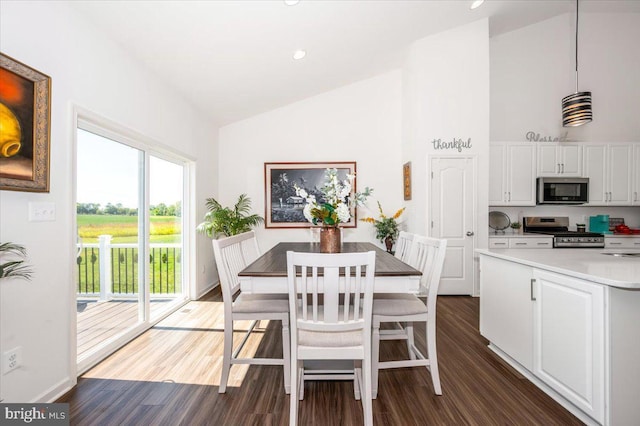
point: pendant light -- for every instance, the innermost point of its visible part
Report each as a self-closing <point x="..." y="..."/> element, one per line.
<point x="576" y="108"/>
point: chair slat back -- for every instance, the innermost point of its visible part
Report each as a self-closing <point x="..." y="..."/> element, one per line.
<point x="427" y="255"/>
<point x="332" y="292"/>
<point x="403" y="246"/>
<point x="232" y="255"/>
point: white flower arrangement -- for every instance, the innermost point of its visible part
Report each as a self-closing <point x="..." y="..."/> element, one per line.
<point x="334" y="208"/>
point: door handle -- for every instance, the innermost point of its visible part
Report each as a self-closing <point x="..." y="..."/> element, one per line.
<point x="509" y="195"/>
<point x="533" y="296"/>
<point x="562" y="168"/>
<point x="470" y="234"/>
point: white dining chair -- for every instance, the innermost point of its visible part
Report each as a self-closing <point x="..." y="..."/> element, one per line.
<point x="233" y="254"/>
<point x="330" y="300"/>
<point x="403" y="246"/>
<point x="427" y="255"/>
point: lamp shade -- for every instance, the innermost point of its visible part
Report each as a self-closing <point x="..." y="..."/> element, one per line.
<point x="576" y="109"/>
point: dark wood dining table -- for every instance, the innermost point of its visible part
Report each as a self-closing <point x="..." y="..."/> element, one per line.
<point x="268" y="273"/>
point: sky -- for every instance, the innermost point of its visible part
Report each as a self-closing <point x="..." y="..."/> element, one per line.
<point x="108" y="173"/>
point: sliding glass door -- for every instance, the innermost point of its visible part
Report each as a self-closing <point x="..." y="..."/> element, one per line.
<point x="166" y="192"/>
<point x="130" y="265"/>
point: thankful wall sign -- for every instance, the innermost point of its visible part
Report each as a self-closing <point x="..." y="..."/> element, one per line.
<point x="457" y="144"/>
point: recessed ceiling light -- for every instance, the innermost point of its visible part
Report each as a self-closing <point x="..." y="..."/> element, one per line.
<point x="291" y="2"/>
<point x="476" y="4"/>
<point x="299" y="54"/>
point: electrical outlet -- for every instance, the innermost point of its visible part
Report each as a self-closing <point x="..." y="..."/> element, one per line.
<point x="11" y="359"/>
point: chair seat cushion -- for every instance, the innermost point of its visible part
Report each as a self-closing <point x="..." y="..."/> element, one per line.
<point x="255" y="303"/>
<point x="331" y="339"/>
<point x="398" y="304"/>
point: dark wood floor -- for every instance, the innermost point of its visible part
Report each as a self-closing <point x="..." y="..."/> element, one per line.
<point x="170" y="376"/>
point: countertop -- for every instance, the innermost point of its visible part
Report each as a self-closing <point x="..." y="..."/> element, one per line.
<point x="587" y="264"/>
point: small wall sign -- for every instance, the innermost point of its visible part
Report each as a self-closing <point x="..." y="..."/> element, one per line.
<point x="456" y="143"/>
<point x="406" y="179"/>
<point x="532" y="136"/>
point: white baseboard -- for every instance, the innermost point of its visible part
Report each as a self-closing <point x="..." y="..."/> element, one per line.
<point x="207" y="289"/>
<point x="56" y="391"/>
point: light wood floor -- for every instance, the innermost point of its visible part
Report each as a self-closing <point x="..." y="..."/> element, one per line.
<point x="170" y="376"/>
<point x="100" y="321"/>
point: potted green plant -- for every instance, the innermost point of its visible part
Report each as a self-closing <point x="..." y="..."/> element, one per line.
<point x="515" y="226"/>
<point x="387" y="229"/>
<point x="224" y="221"/>
<point x="15" y="266"/>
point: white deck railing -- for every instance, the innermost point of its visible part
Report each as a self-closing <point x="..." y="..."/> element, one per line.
<point x="107" y="270"/>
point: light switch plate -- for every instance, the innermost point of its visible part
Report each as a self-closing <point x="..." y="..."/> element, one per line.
<point x="42" y="212"/>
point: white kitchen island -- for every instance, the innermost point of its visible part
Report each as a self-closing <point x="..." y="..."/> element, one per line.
<point x="569" y="320"/>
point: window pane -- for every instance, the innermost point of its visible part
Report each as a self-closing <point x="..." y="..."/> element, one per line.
<point x="165" y="229"/>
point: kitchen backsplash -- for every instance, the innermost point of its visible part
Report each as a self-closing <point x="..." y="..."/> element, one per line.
<point x="576" y="214"/>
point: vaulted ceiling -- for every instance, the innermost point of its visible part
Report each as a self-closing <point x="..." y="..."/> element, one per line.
<point x="233" y="59"/>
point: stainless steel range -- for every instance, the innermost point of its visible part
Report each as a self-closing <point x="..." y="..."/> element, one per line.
<point x="562" y="237"/>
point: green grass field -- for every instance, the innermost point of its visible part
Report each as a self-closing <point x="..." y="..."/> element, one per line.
<point x="165" y="263"/>
<point x="124" y="229"/>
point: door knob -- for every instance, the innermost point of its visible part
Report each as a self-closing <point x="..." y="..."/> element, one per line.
<point x="470" y="234"/>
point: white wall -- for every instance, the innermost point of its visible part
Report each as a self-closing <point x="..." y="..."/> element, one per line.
<point x="446" y="96"/>
<point x="92" y="72"/>
<point x="532" y="69"/>
<point x="360" y="122"/>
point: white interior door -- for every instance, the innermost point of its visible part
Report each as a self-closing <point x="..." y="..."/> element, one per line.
<point x="453" y="212"/>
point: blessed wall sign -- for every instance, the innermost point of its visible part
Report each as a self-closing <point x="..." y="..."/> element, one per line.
<point x="532" y="136"/>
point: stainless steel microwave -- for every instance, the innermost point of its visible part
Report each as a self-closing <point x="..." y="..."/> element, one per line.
<point x="556" y="190"/>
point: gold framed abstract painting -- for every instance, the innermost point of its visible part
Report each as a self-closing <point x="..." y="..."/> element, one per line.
<point x="25" y="127"/>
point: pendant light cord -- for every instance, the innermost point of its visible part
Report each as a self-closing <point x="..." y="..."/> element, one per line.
<point x="577" y="7"/>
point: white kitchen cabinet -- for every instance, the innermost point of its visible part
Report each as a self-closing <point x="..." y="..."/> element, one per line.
<point x="569" y="339"/>
<point x="621" y="242"/>
<point x="498" y="242"/>
<point x="635" y="196"/>
<point x="581" y="332"/>
<point x="531" y="242"/>
<point x="608" y="167"/>
<point x="506" y="310"/>
<point x="559" y="160"/>
<point x="512" y="174"/>
<point x="520" y="242"/>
